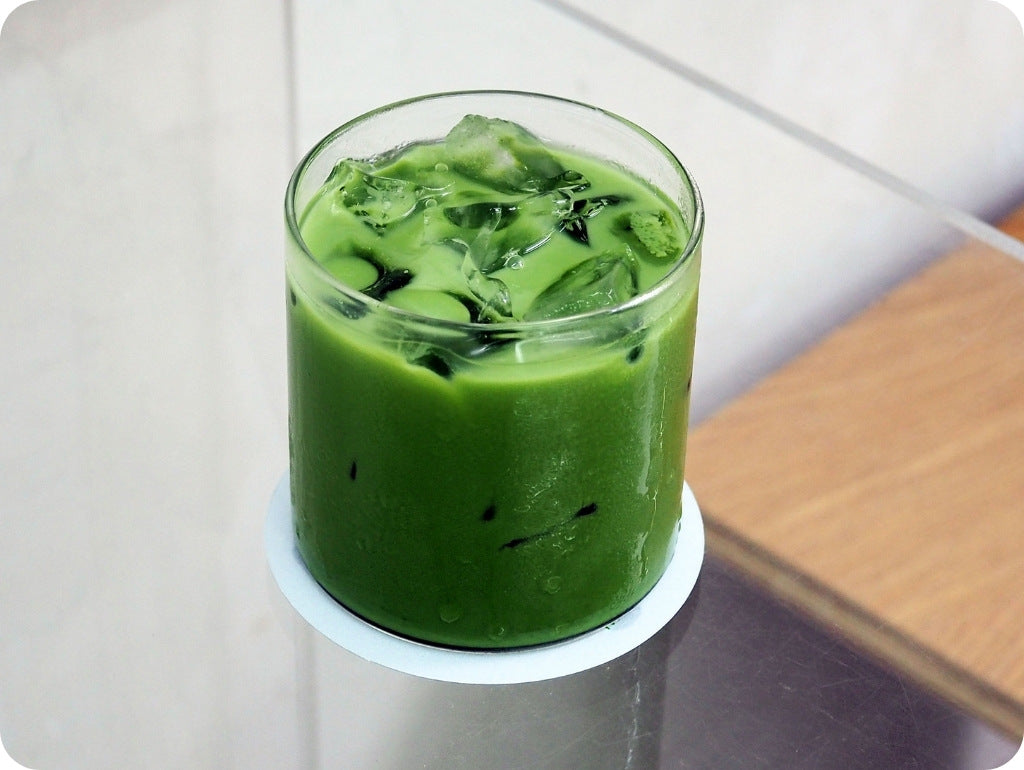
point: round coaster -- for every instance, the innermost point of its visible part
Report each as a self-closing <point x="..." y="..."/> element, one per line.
<point x="530" y="664"/>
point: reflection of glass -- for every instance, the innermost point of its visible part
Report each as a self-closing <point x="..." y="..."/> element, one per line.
<point x="506" y="478"/>
<point x="610" y="716"/>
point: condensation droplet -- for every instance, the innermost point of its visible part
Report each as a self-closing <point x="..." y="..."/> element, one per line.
<point x="450" y="612"/>
<point x="552" y="584"/>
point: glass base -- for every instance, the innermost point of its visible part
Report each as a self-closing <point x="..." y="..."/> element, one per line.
<point x="508" y="666"/>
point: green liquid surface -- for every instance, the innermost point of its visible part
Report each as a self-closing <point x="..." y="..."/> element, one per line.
<point x="469" y="483"/>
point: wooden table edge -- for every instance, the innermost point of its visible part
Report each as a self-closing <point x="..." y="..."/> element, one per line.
<point x="870" y="634"/>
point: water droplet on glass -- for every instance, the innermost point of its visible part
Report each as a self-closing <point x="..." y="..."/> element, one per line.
<point x="551" y="584"/>
<point x="450" y="612"/>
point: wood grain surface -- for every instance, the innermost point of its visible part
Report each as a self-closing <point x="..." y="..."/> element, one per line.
<point x="877" y="481"/>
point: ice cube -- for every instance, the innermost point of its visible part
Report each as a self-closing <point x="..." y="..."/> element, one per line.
<point x="502" y="155"/>
<point x="492" y="296"/>
<point x="571" y="182"/>
<point x="436" y="227"/>
<point x="602" y="281"/>
<point x="377" y="200"/>
<point x="484" y="250"/>
<point x="416" y="162"/>
<point x="483" y="213"/>
<point x="499" y="234"/>
<point x="540" y="217"/>
<point x="574" y="222"/>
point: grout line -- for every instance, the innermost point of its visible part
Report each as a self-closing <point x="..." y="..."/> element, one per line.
<point x="306" y="690"/>
<point x="960" y="220"/>
<point x="291" y="80"/>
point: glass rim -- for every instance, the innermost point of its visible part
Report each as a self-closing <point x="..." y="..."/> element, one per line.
<point x="644" y="298"/>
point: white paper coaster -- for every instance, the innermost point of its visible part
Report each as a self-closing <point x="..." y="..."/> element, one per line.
<point x="531" y="664"/>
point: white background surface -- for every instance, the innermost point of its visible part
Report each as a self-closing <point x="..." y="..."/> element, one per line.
<point x="920" y="93"/>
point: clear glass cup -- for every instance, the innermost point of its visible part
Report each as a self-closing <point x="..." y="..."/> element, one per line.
<point x="488" y="485"/>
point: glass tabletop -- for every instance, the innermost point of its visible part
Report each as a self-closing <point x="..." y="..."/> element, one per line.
<point x="144" y="151"/>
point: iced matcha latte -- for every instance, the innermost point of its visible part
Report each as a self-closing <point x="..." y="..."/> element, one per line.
<point x="491" y="309"/>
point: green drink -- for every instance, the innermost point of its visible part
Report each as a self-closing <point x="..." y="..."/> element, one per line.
<point x="491" y="324"/>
